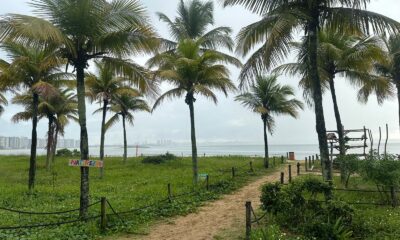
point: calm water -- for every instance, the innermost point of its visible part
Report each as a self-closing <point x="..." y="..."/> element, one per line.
<point x="301" y="151"/>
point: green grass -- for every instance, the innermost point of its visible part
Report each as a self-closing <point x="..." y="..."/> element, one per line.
<point x="126" y="186"/>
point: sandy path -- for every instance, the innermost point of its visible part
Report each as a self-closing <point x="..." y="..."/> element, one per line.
<point x="211" y="218"/>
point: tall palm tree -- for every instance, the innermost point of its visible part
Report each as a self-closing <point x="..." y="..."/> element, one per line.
<point x="268" y="98"/>
<point x="194" y="20"/>
<point x="390" y="67"/>
<point x="104" y="88"/>
<point x="350" y="56"/>
<point x="86" y="30"/>
<point x="192" y="70"/>
<point x="31" y="68"/>
<point x="274" y="32"/>
<point x="124" y="106"/>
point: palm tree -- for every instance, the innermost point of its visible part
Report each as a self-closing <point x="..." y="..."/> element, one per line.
<point x="104" y="88"/>
<point x="390" y="66"/>
<point x="32" y="68"/>
<point x="192" y="70"/>
<point x="345" y="55"/>
<point x="193" y="22"/>
<point x="124" y="106"/>
<point x="86" y="30"/>
<point x="275" y="31"/>
<point x="268" y="98"/>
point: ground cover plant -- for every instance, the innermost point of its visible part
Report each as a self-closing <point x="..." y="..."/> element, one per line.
<point x="127" y="187"/>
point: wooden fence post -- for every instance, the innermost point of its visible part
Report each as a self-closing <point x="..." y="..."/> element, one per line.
<point x="251" y="166"/>
<point x="207" y="186"/>
<point x="309" y="163"/>
<point x="169" y="193"/>
<point x="290" y="173"/>
<point x="306" y="165"/>
<point x="282" y="159"/>
<point x="248" y="220"/>
<point x="103" y="217"/>
<point x="282" y="177"/>
<point x="298" y="169"/>
<point x="233" y="172"/>
<point x="313" y="161"/>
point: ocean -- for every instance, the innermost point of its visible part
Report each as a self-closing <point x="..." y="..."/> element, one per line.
<point x="301" y="150"/>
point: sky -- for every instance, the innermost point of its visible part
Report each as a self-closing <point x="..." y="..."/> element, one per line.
<point x="228" y="121"/>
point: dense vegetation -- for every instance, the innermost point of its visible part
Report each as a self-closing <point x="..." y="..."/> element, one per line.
<point x="126" y="186"/>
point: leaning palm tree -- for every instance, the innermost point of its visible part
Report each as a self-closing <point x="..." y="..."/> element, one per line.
<point x="273" y="34"/>
<point x="268" y="98"/>
<point x="390" y="66"/>
<point x="124" y="106"/>
<point x="104" y="88"/>
<point x="192" y="70"/>
<point x="350" y="56"/>
<point x="86" y="30"/>
<point x="31" y="68"/>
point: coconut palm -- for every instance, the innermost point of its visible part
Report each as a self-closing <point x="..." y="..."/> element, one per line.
<point x="193" y="22"/>
<point x="86" y="30"/>
<point x="390" y="67"/>
<point x="274" y="32"/>
<point x="123" y="108"/>
<point x="349" y="56"/>
<point x="104" y="88"/>
<point x="192" y="70"/>
<point x="268" y="98"/>
<point x="31" y="68"/>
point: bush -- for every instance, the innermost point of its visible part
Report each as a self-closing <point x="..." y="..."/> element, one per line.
<point x="382" y="170"/>
<point x="68" y="153"/>
<point x="158" y="159"/>
<point x="348" y="165"/>
<point x="299" y="207"/>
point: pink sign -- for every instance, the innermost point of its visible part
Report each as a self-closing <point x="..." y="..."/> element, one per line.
<point x="86" y="163"/>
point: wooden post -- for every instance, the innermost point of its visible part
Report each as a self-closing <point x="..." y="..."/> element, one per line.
<point x="169" y="193"/>
<point x="309" y="163"/>
<point x="290" y="173"/>
<point x="282" y="159"/>
<point x="248" y="220"/>
<point x="287" y="155"/>
<point x="251" y="166"/>
<point x="282" y="177"/>
<point x="365" y="140"/>
<point x="306" y="165"/>
<point x="233" y="172"/>
<point x="298" y="169"/>
<point x="103" y="217"/>
<point x="207" y="186"/>
<point x="313" y="161"/>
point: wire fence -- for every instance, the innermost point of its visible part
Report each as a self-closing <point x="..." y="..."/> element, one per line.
<point x="205" y="190"/>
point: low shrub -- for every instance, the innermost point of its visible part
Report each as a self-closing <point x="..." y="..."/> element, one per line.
<point x="158" y="159"/>
<point x="68" y="153"/>
<point x="348" y="165"/>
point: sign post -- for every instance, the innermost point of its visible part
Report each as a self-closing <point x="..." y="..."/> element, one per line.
<point x="85" y="163"/>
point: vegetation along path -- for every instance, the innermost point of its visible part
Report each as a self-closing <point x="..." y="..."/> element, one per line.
<point x="213" y="217"/>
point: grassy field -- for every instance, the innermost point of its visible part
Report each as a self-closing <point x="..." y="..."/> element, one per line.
<point x="127" y="187"/>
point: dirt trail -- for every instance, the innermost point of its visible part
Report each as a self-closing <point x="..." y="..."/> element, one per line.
<point x="211" y="218"/>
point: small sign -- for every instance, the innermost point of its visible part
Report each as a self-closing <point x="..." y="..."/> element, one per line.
<point x="86" y="163"/>
<point x="202" y="175"/>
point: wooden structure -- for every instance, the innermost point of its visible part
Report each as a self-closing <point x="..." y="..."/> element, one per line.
<point x="354" y="139"/>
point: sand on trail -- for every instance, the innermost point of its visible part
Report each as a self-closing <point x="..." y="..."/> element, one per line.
<point x="211" y="218"/>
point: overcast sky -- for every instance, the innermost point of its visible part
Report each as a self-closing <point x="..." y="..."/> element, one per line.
<point x="228" y="121"/>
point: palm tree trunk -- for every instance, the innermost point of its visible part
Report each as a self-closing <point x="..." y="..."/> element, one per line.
<point x="317" y="96"/>
<point x="103" y="133"/>
<point x="32" y="160"/>
<point x="339" y="125"/>
<point x="55" y="141"/>
<point x="194" y="145"/>
<point x="50" y="136"/>
<point x="84" y="145"/>
<point x="266" y="156"/>
<point x="398" y="98"/>
<point x="125" y="142"/>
